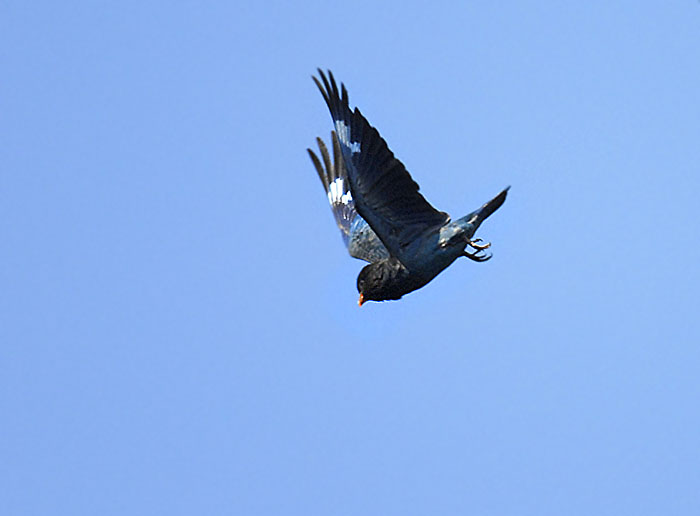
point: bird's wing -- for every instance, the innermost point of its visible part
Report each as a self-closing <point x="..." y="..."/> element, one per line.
<point x="385" y="195"/>
<point x="359" y="238"/>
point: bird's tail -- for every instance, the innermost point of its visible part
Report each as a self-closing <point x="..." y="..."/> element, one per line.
<point x="474" y="219"/>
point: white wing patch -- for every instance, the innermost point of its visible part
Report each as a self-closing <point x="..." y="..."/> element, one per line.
<point x="343" y="132"/>
<point x="336" y="193"/>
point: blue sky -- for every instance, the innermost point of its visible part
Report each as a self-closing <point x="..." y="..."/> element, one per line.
<point x="179" y="326"/>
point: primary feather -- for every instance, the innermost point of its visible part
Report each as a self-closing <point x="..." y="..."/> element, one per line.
<point x="361" y="241"/>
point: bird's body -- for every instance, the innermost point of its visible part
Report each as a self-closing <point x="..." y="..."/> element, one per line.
<point x="426" y="256"/>
<point x="383" y="218"/>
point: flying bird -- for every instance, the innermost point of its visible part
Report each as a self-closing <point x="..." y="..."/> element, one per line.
<point x="382" y="217"/>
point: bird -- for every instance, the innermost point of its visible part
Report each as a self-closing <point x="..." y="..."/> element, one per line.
<point x="382" y="216"/>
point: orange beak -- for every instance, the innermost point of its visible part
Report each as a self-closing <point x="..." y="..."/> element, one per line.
<point x="361" y="300"/>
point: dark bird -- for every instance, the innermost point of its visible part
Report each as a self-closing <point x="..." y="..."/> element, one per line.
<point x="382" y="217"/>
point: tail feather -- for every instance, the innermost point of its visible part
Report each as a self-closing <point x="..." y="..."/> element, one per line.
<point x="477" y="217"/>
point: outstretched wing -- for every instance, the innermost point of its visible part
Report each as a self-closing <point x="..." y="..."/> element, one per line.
<point x="359" y="238"/>
<point x="385" y="195"/>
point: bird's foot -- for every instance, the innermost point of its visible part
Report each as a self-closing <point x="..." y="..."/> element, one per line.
<point x="476" y="256"/>
<point x="475" y="244"/>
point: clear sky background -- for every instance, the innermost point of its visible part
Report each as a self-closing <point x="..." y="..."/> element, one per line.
<point x="179" y="331"/>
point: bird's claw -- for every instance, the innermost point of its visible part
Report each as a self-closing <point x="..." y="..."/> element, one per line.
<point x="477" y="257"/>
<point x="475" y="244"/>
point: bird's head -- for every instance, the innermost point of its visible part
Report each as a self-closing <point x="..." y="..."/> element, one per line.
<point x="381" y="281"/>
<point x="369" y="284"/>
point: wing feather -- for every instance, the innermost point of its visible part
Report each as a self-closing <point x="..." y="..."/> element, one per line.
<point x="361" y="241"/>
<point x="384" y="193"/>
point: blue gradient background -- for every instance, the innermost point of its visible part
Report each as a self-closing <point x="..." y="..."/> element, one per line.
<point x="178" y="321"/>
